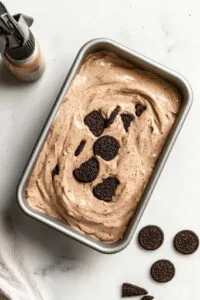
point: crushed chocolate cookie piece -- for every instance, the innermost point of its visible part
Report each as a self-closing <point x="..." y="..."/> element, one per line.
<point x="130" y="290"/>
<point x="96" y="122"/>
<point x="80" y="147"/>
<point x="106" y="190"/>
<point x="186" y="242"/>
<point x="55" y="171"/>
<point x="151" y="237"/>
<point x="112" y="116"/>
<point x="162" y="271"/>
<point x="139" y="109"/>
<point x="127" y="119"/>
<point x="106" y="147"/>
<point x="87" y="171"/>
<point x="147" y="297"/>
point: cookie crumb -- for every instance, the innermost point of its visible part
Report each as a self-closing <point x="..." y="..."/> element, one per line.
<point x="139" y="109"/>
<point x="55" y="171"/>
<point x="127" y="119"/>
<point x="80" y="147"/>
<point x="112" y="117"/>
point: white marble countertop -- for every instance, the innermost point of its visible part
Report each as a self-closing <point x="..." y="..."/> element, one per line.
<point x="55" y="266"/>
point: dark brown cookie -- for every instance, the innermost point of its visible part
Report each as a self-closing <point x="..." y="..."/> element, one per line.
<point x="87" y="171"/>
<point x="55" y="171"/>
<point x="112" y="116"/>
<point x="127" y="119"/>
<point x="162" y="271"/>
<point x="151" y="237"/>
<point x="106" y="147"/>
<point x="186" y="242"/>
<point x="106" y="190"/>
<point x="139" y="109"/>
<point x="96" y="122"/>
<point x="147" y="297"/>
<point x="80" y="147"/>
<point x="130" y="290"/>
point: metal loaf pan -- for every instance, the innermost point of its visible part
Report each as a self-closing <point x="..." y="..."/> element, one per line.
<point x="142" y="62"/>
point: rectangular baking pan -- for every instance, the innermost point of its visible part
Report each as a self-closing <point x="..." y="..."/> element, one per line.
<point x="142" y="62"/>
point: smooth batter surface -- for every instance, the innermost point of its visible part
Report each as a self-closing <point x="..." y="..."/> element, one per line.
<point x="104" y="81"/>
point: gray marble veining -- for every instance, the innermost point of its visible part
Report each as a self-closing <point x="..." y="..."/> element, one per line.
<point x="61" y="264"/>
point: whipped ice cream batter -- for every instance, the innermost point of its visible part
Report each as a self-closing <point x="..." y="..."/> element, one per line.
<point x="104" y="82"/>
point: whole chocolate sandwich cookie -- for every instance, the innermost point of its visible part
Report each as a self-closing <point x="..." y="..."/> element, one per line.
<point x="162" y="271"/>
<point x="151" y="237"/>
<point x="186" y="242"/>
